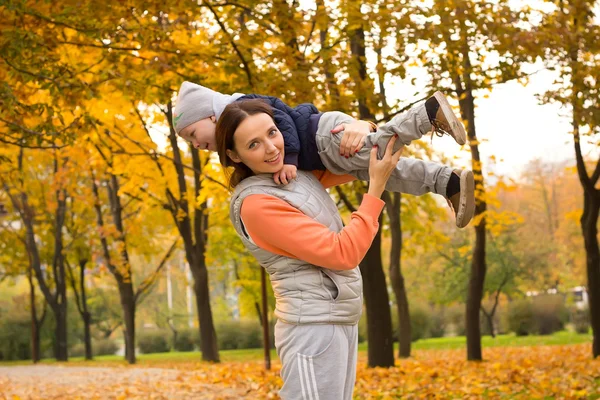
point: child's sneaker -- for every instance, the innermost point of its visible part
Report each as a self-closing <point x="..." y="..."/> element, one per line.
<point x="445" y="121"/>
<point x="463" y="202"/>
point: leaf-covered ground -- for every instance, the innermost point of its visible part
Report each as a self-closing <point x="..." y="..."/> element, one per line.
<point x="565" y="372"/>
<point x="78" y="382"/>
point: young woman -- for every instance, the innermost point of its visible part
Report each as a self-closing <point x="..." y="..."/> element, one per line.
<point x="296" y="233"/>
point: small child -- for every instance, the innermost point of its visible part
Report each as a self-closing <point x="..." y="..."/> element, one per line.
<point x="310" y="144"/>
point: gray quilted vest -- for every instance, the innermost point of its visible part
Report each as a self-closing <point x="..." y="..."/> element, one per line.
<point x="304" y="293"/>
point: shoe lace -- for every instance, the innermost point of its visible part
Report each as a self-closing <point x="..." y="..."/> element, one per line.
<point x="438" y="129"/>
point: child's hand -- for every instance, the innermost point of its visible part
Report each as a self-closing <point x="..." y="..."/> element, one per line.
<point x="354" y="137"/>
<point x="285" y="175"/>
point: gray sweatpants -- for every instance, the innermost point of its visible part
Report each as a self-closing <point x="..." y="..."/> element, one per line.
<point x="318" y="361"/>
<point x="412" y="176"/>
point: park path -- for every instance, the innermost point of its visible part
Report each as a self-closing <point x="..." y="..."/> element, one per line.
<point x="66" y="382"/>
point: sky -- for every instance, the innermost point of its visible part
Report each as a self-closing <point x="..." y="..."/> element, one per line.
<point x="513" y="126"/>
<point x="518" y="129"/>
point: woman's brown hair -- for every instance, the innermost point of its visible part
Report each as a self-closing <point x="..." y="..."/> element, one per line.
<point x="231" y="118"/>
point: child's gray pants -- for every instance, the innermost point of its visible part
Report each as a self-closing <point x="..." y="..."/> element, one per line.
<point x="318" y="361"/>
<point x="412" y="176"/>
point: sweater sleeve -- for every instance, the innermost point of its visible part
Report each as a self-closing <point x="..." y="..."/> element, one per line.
<point x="328" y="179"/>
<point x="276" y="226"/>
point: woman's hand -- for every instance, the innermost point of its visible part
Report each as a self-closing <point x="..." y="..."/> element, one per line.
<point x="380" y="170"/>
<point x="353" y="138"/>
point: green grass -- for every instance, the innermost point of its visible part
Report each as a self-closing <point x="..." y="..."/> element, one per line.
<point x="562" y="337"/>
<point x="458" y="342"/>
<point x="157" y="358"/>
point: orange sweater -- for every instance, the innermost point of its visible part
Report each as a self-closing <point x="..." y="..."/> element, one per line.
<point x="274" y="225"/>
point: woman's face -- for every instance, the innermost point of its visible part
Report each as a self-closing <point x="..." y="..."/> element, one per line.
<point x="258" y="144"/>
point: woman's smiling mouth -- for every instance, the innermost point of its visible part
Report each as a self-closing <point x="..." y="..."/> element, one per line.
<point x="274" y="159"/>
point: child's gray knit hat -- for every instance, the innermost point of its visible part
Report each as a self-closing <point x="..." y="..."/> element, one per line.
<point x="194" y="103"/>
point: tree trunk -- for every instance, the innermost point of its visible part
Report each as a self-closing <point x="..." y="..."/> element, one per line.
<point x="194" y="240"/>
<point x="591" y="206"/>
<point x="35" y="344"/>
<point x="282" y="13"/>
<point x="402" y="308"/>
<point x="478" y="264"/>
<point x="85" y="315"/>
<point x="60" y="278"/>
<point x="258" y="313"/>
<point x="492" y="327"/>
<point x="208" y="336"/>
<point x="357" y="46"/>
<point x="589" y="221"/>
<point x="489" y="319"/>
<point x="265" y="318"/>
<point x="124" y="283"/>
<point x="60" y="332"/>
<point x="81" y="301"/>
<point x="475" y="295"/>
<point x="128" y="304"/>
<point x="87" y="336"/>
<point x="35" y="331"/>
<point x="332" y="89"/>
<point x="60" y="307"/>
<point x="463" y="87"/>
<point x="379" y="321"/>
<point x="174" y="330"/>
<point x="55" y="298"/>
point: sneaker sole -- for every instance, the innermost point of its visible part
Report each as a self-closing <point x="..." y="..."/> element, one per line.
<point x="466" y="207"/>
<point x="457" y="130"/>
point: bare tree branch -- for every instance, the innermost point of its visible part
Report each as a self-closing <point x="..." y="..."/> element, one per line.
<point x="155" y="154"/>
<point x="596" y="174"/>
<point x="312" y="30"/>
<point x="60" y="23"/>
<point x="258" y="18"/>
<point x="232" y="42"/>
<point x="151" y="279"/>
<point x="73" y="285"/>
<point x="26" y="146"/>
<point x="38" y="76"/>
<point x="448" y="258"/>
<point x="345" y="199"/>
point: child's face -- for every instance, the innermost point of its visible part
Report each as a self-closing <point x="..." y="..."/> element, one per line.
<point x="258" y="144"/>
<point x="201" y="134"/>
